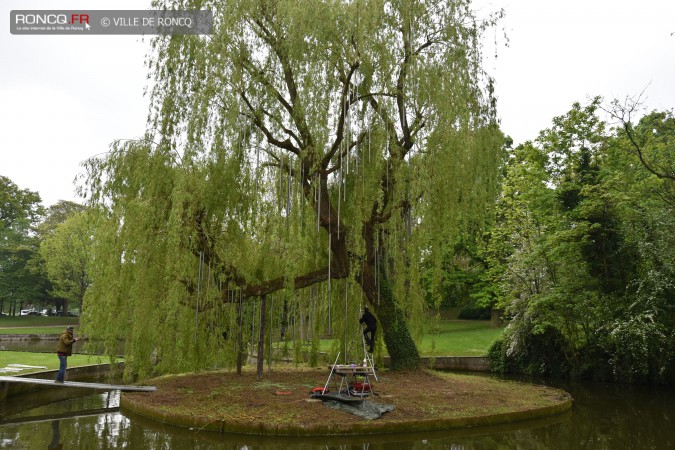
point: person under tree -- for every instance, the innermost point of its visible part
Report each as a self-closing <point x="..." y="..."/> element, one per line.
<point x="371" y="327"/>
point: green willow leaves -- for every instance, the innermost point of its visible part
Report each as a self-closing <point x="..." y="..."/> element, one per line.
<point x="303" y="142"/>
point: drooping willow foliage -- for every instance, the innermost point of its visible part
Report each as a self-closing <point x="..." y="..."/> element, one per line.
<point x="313" y="152"/>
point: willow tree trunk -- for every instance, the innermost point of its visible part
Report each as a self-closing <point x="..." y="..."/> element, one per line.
<point x="400" y="344"/>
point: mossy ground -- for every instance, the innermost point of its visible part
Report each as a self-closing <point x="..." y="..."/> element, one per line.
<point x="281" y="403"/>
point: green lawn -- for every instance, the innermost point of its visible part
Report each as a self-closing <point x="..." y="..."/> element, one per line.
<point x="48" y="360"/>
<point x="451" y="338"/>
<point x="35" y="324"/>
<point x="31" y="321"/>
<point x="460" y="338"/>
<point x="55" y="330"/>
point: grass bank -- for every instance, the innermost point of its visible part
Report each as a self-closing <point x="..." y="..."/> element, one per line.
<point x="47" y="360"/>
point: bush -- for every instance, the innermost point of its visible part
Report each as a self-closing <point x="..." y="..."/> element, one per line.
<point x="639" y="350"/>
<point x="497" y="356"/>
<point x="533" y="354"/>
<point x="474" y="313"/>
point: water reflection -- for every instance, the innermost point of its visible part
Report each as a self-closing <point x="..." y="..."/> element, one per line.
<point x="55" y="444"/>
<point x="603" y="417"/>
<point x="609" y="416"/>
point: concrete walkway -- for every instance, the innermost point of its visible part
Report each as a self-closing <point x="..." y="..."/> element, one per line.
<point x="79" y="384"/>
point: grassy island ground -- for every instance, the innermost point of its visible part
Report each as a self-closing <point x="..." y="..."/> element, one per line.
<point x="281" y="404"/>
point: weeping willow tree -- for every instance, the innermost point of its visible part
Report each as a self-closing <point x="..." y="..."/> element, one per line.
<point x="303" y="142"/>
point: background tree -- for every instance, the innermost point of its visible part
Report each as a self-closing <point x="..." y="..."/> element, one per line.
<point x="57" y="214"/>
<point x="349" y="140"/>
<point x="66" y="252"/>
<point x="651" y="140"/>
<point x="20" y="211"/>
<point x="583" y="246"/>
<point x="54" y="216"/>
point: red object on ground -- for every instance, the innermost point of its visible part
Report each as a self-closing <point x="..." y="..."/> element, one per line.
<point x="283" y="392"/>
<point x="361" y="387"/>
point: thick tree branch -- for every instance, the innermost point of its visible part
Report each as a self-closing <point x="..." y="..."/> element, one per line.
<point x="259" y="75"/>
<point x="359" y="140"/>
<point x="299" y="282"/>
<point x="346" y="100"/>
<point x="284" y="165"/>
<point x="275" y="40"/>
<point x="281" y="126"/>
<point x="406" y="34"/>
<point x="257" y="120"/>
<point x="384" y="115"/>
<point x="374" y="94"/>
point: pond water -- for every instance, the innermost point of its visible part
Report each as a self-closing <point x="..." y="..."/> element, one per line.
<point x="34" y="345"/>
<point x="49" y="346"/>
<point x="605" y="416"/>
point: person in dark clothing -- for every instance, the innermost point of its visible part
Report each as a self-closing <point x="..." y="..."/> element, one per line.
<point x="371" y="327"/>
<point x="64" y="348"/>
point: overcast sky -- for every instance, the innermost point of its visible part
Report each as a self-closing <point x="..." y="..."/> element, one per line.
<point x="64" y="99"/>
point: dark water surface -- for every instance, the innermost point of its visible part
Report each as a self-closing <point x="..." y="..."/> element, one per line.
<point x="605" y="416"/>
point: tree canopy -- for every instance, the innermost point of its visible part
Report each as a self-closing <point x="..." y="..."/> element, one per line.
<point x="303" y="142"/>
<point x="20" y="212"/>
<point x="66" y="252"/>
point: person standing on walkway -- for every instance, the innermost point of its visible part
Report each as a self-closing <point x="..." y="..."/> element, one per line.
<point x="64" y="349"/>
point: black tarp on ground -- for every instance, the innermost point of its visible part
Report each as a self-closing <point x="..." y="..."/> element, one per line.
<point x="359" y="407"/>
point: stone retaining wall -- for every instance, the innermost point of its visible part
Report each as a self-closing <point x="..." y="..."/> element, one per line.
<point x="455" y="363"/>
<point x="28" y="337"/>
<point x="75" y="373"/>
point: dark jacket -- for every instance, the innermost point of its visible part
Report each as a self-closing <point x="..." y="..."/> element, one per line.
<point x="369" y="319"/>
<point x="65" y="344"/>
